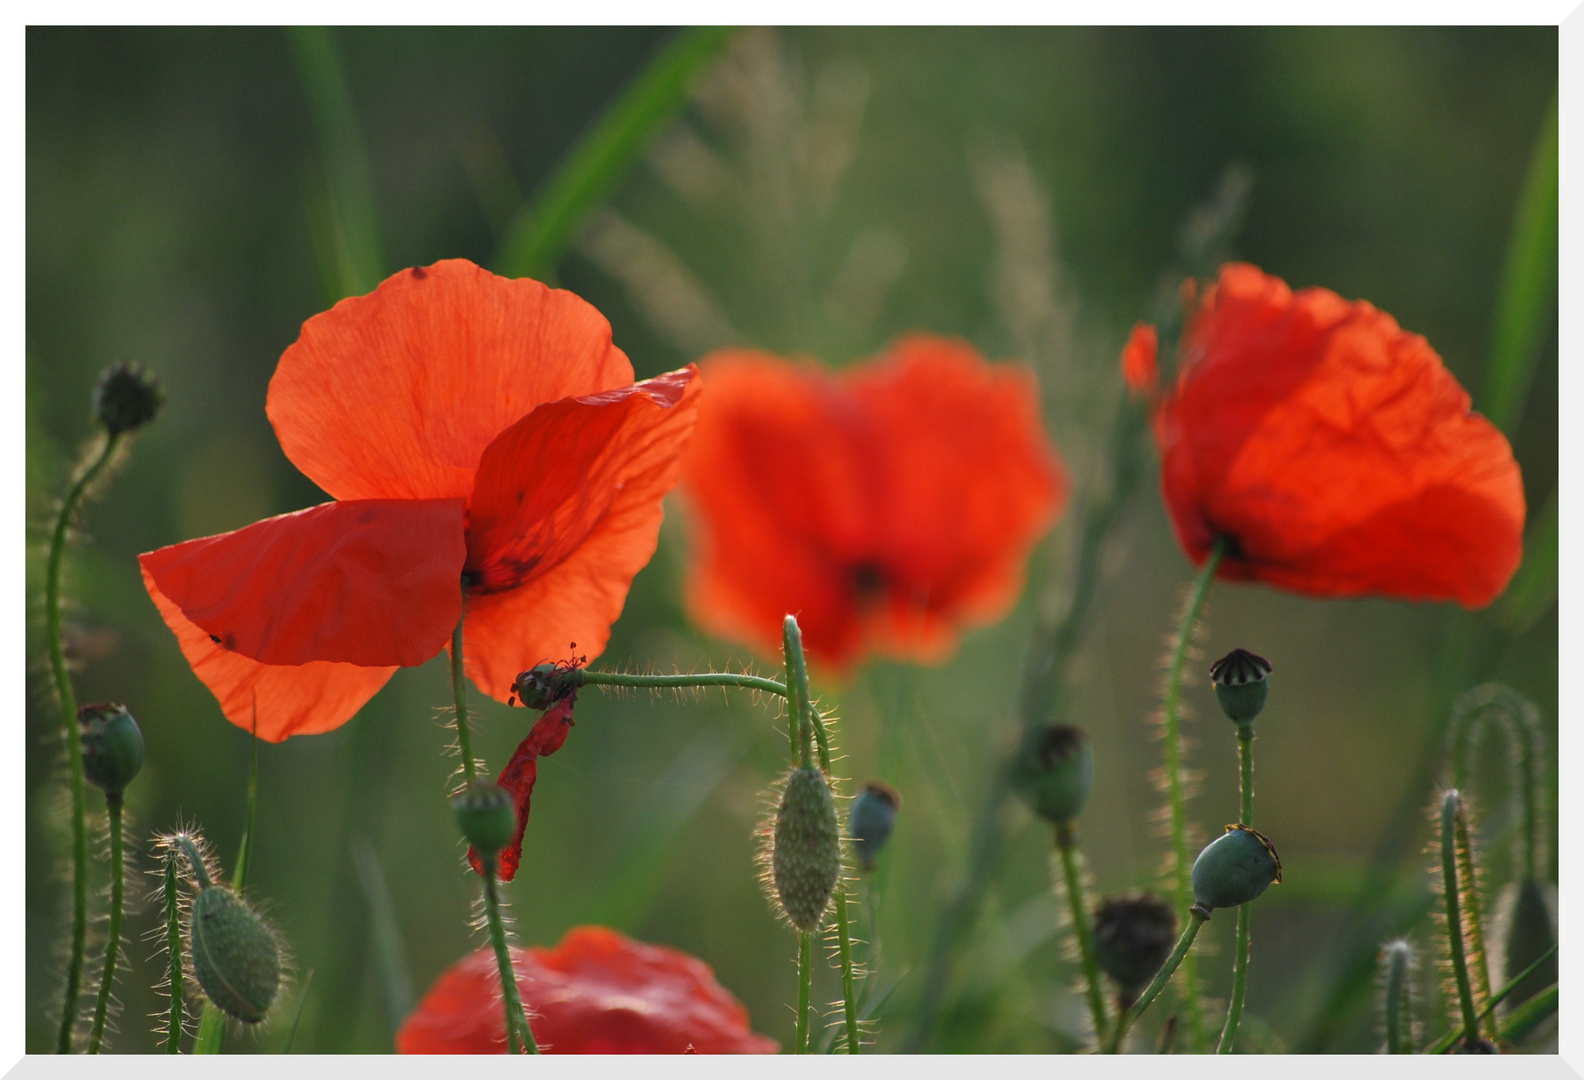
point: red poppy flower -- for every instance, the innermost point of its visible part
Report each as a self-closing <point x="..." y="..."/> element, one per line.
<point x="1139" y="369"/>
<point x="1332" y="451"/>
<point x="596" y="993"/>
<point x="475" y="431"/>
<point x="887" y="506"/>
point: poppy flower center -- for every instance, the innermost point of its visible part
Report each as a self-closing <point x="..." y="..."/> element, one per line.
<point x="867" y="580"/>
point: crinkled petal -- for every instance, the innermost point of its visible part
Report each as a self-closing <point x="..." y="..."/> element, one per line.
<point x="305" y="699"/>
<point x="397" y="393"/>
<point x="373" y="582"/>
<point x="519" y="775"/>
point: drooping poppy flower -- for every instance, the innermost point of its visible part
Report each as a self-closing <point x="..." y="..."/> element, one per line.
<point x="597" y="992"/>
<point x="888" y="506"/>
<point x="477" y="432"/>
<point x="519" y="776"/>
<point x="1332" y="451"/>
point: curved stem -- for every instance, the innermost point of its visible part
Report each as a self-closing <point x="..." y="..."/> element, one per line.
<point x="173" y="947"/>
<point x="68" y="705"/>
<point x="519" y="1036"/>
<point x="1072" y="874"/>
<point x="682" y="682"/>
<point x="849" y="995"/>
<point x="1172" y="741"/>
<point x="1196" y="919"/>
<point x="805" y="966"/>
<point x="113" y="941"/>
<point x="1451" y="804"/>
<point x="1240" y="959"/>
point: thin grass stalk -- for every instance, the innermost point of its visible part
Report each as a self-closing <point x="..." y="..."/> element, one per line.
<point x="1072" y="876"/>
<point x="113" y="804"/>
<point x="1444" y="1043"/>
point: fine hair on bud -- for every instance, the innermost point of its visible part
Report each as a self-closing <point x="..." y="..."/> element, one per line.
<point x="804" y="859"/>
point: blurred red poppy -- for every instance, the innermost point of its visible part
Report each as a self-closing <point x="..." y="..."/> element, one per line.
<point x="888" y="506"/>
<point x="1139" y="368"/>
<point x="597" y="992"/>
<point x="475" y="431"/>
<point x="1332" y="451"/>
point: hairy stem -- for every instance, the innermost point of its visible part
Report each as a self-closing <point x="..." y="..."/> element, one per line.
<point x="805" y="972"/>
<point x="173" y="948"/>
<point x="113" y="940"/>
<point x="1451" y="807"/>
<point x="459" y="693"/>
<point x="849" y="995"/>
<point x="1468" y="874"/>
<point x="1398" y="1040"/>
<point x="519" y="1036"/>
<point x="1240" y="958"/>
<point x="1196" y="919"/>
<point x="683" y="682"/>
<point x="1072" y="874"/>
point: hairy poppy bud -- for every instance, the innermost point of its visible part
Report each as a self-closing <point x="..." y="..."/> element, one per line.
<point x="112" y="747"/>
<point x="542" y="685"/>
<point x="871" y="819"/>
<point x="1241" y="682"/>
<point x="805" y="853"/>
<point x="1057" y="773"/>
<point x="235" y="955"/>
<point x="486" y="815"/>
<point x="126" y="397"/>
<point x="1233" y="869"/>
<point x="1133" y="935"/>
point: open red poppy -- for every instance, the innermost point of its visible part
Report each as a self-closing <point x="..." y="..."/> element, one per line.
<point x="1331" y="450"/>
<point x="475" y="431"/>
<point x="597" y="992"/>
<point x="887" y="506"/>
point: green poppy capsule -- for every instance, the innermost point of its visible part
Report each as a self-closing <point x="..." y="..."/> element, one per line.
<point x="1233" y="869"/>
<point x="871" y="819"/>
<point x="1241" y="681"/>
<point x="112" y="747"/>
<point x="1057" y="772"/>
<point x="235" y="955"/>
<point x="485" y="814"/>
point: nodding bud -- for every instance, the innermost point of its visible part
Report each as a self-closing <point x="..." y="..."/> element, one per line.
<point x="1133" y="935"/>
<point x="1233" y="869"/>
<point x="1241" y="681"/>
<point x="235" y="955"/>
<point x="486" y="815"/>
<point x="542" y="685"/>
<point x="112" y="747"/>
<point x="1057" y="771"/>
<point x="126" y="397"/>
<point x="1525" y="916"/>
<point x="871" y="819"/>
<point x="805" y="852"/>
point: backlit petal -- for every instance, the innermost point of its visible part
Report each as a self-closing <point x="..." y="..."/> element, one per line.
<point x="304" y="699"/>
<point x="397" y="393"/>
<point x="374" y="582"/>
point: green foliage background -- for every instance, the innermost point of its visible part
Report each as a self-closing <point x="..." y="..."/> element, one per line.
<point x="174" y="179"/>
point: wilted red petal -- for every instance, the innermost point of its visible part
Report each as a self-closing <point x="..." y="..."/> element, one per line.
<point x="518" y="777"/>
<point x="1139" y="367"/>
<point x="598" y="992"/>
<point x="370" y="582"/>
<point x="888" y="507"/>
<point x="397" y="393"/>
<point x="1334" y="451"/>
<point x="303" y="699"/>
<point x="555" y="567"/>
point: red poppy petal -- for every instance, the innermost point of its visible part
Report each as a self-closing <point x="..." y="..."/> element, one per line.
<point x="397" y="393"/>
<point x="578" y="598"/>
<point x="1139" y="368"/>
<point x="546" y="737"/>
<point x="305" y="699"/>
<point x="370" y="582"/>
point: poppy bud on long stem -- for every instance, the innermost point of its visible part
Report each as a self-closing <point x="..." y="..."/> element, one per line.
<point x="235" y="953"/>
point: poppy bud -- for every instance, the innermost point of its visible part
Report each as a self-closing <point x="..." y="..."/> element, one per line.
<point x="1241" y="683"/>
<point x="1234" y="868"/>
<point x="871" y="819"/>
<point x="112" y="747"/>
<point x="1133" y="935"/>
<point x="486" y="815"/>
<point x="126" y="397"/>
<point x="805" y="852"/>
<point x="1058" y="771"/>
<point x="235" y="955"/>
<point x="542" y="685"/>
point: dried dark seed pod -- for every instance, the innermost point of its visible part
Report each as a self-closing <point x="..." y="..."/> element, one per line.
<point x="126" y="397"/>
<point x="1241" y="680"/>
<point x="805" y="853"/>
<point x="1234" y="868"/>
<point x="871" y="819"/>
<point x="1133" y="935"/>
<point x="1056" y="773"/>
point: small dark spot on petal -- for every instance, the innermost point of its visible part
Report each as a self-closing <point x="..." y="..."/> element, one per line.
<point x="215" y="638"/>
<point x="520" y="496"/>
<point x="419" y="272"/>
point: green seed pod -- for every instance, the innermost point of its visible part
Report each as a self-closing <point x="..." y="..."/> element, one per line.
<point x="1241" y="681"/>
<point x="805" y="853"/>
<point x="1234" y="868"/>
<point x="486" y="816"/>
<point x="126" y="397"/>
<point x="1133" y="935"/>
<point x="235" y="955"/>
<point x="871" y="819"/>
<point x="112" y="747"/>
<point x="1057" y="772"/>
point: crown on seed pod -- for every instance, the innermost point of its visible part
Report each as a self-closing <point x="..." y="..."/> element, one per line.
<point x="1241" y="681"/>
<point x="112" y="747"/>
<point x="1233" y="869"/>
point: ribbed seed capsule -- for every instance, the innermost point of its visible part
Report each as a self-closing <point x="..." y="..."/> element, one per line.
<point x="805" y="854"/>
<point x="235" y="956"/>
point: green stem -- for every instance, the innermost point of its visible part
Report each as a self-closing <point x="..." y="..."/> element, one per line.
<point x="802" y="705"/>
<point x="805" y="972"/>
<point x="117" y="903"/>
<point x="173" y="948"/>
<point x="1196" y="919"/>
<point x="1451" y="804"/>
<point x="1181" y="868"/>
<point x="459" y="693"/>
<point x="1397" y="1034"/>
<point x="519" y="1036"/>
<point x="1479" y="966"/>
<point x="1240" y="959"/>
<point x="1444" y="1043"/>
<point x="1530" y="1015"/>
<point x="682" y="682"/>
<point x="68" y="705"/>
<point x="1072" y="873"/>
<point x="849" y="995"/>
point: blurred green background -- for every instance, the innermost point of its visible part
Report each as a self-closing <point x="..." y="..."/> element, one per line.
<point x="822" y="191"/>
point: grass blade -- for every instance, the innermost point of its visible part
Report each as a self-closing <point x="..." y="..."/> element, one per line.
<point x="1533" y="589"/>
<point x="390" y="954"/>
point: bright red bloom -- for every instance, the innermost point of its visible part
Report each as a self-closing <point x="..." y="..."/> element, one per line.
<point x="596" y="993"/>
<point x="887" y="506"/>
<point x="475" y="430"/>
<point x="1333" y="452"/>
